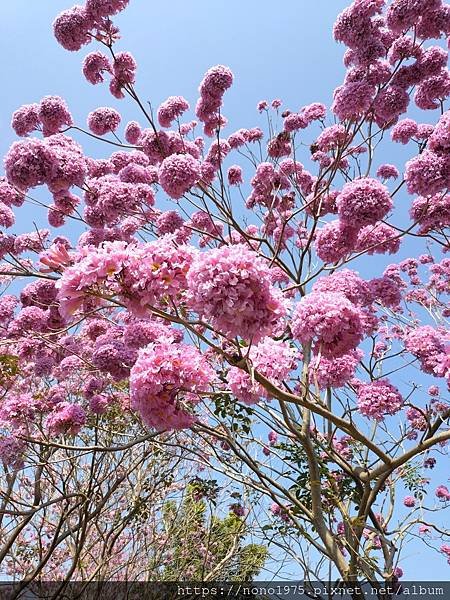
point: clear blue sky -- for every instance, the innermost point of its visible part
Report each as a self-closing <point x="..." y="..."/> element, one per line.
<point x="275" y="49"/>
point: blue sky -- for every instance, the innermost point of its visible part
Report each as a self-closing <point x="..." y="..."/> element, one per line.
<point x="280" y="49"/>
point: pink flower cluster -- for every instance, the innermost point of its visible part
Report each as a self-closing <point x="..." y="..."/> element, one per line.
<point x="432" y="213"/>
<point x="331" y="320"/>
<point x="172" y="109"/>
<point x="94" y="65"/>
<point x="66" y="418"/>
<point x="178" y="174"/>
<point x="334" y="372"/>
<point x="363" y="202"/>
<point x="272" y="359"/>
<point x="157" y="274"/>
<point x="231" y="288"/>
<point x="428" y="346"/>
<point x="166" y="383"/>
<point x="57" y="161"/>
<point x="50" y="115"/>
<point x="75" y="27"/>
<point x="11" y="451"/>
<point x="103" y="120"/>
<point x="141" y="275"/>
<point x="379" y="398"/>
<point x="212" y="88"/>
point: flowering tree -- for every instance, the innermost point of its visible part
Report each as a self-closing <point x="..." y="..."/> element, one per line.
<point x="215" y="307"/>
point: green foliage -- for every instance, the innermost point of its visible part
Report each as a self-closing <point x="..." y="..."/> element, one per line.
<point x="237" y="414"/>
<point x="295" y="455"/>
<point x="9" y="367"/>
<point x="200" y="544"/>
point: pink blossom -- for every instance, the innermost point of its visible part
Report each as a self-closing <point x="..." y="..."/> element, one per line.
<point x="434" y="90"/>
<point x="427" y="174"/>
<point x="133" y="132"/>
<point x="334" y="241"/>
<point x="439" y="140"/>
<point x="103" y="120"/>
<point x="279" y="145"/>
<point x="379" y="238"/>
<point x="18" y="410"/>
<point x="71" y="28"/>
<point x="166" y="383"/>
<point x="231" y="287"/>
<point x="157" y="272"/>
<point x="387" y="290"/>
<point x="409" y="501"/>
<point x="389" y="104"/>
<point x="332" y="137"/>
<point x="12" y="451"/>
<point x="178" y="174"/>
<point x="99" y="9"/>
<point x="9" y="195"/>
<point x="348" y="283"/>
<point x="212" y="88"/>
<point x="55" y="257"/>
<point x="66" y="418"/>
<point x="404" y="131"/>
<point x="431" y="213"/>
<point x="314" y="112"/>
<point x="334" y="372"/>
<point x="234" y="175"/>
<point x="294" y="122"/>
<point x="272" y="359"/>
<point x="442" y="493"/>
<point x="272" y="436"/>
<point x="54" y="114"/>
<point x="387" y="172"/>
<point x="68" y="163"/>
<point x="31" y="242"/>
<point x="26" y="119"/>
<point x="94" y="65"/>
<point x="7" y="218"/>
<point x="427" y="345"/>
<point x="352" y="100"/>
<point x="331" y="320"/>
<point x="379" y="398"/>
<point x="28" y="163"/>
<point x="417" y="419"/>
<point x="363" y="202"/>
<point x="171" y="109"/>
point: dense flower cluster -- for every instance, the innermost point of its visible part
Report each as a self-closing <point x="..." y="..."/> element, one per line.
<point x="212" y="88"/>
<point x="428" y="346"/>
<point x="231" y="287"/>
<point x="146" y="274"/>
<point x="57" y="161"/>
<point x="431" y="213"/>
<point x="378" y="399"/>
<point x="171" y="109"/>
<point x="66" y="418"/>
<point x="94" y="65"/>
<point x="103" y="120"/>
<point x="178" y="174"/>
<point x="334" y="372"/>
<point x="272" y="359"/>
<point x="166" y="382"/>
<point x="329" y="319"/>
<point x="53" y="114"/>
<point x="363" y="202"/>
